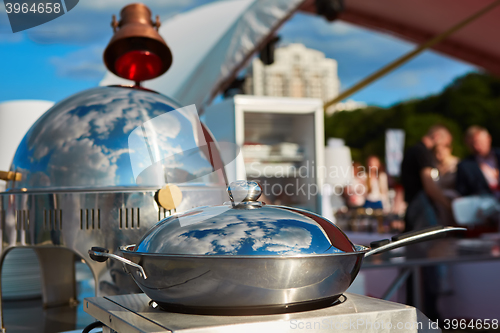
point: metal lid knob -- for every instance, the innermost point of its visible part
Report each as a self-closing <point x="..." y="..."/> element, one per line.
<point x="242" y="191"/>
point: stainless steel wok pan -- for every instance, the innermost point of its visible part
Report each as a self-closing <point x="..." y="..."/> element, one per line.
<point x="249" y="258"/>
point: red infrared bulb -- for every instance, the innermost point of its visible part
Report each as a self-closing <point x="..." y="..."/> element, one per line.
<point x="138" y="65"/>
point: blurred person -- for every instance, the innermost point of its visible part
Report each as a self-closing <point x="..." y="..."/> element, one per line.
<point x="447" y="167"/>
<point x="398" y="208"/>
<point x="478" y="174"/>
<point x="376" y="184"/>
<point x="354" y="192"/>
<point x="418" y="174"/>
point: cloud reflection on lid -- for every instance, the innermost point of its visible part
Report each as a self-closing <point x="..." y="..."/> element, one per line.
<point x="223" y="230"/>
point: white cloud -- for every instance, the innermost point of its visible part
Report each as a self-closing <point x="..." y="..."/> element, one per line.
<point x="99" y="5"/>
<point x="89" y="122"/>
<point x="89" y="22"/>
<point x="6" y="36"/>
<point x="74" y="28"/>
<point x="228" y="230"/>
<point x="341" y="37"/>
<point x="78" y="140"/>
<point x="64" y="128"/>
<point x="342" y="28"/>
<point x="360" y="52"/>
<point x="85" y="64"/>
<point x="83" y="163"/>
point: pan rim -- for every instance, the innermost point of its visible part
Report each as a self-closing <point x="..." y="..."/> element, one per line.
<point x="360" y="249"/>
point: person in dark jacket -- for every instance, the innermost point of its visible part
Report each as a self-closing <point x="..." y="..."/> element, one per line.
<point x="418" y="174"/>
<point x="478" y="174"/>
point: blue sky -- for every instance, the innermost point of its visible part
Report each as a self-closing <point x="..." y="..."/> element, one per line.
<point x="62" y="57"/>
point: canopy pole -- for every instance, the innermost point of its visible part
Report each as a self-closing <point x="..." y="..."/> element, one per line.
<point x="407" y="57"/>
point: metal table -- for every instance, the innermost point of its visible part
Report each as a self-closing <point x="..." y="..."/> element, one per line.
<point x="412" y="258"/>
<point x="356" y="313"/>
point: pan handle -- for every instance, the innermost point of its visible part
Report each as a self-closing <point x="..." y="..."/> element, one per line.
<point x="410" y="238"/>
<point x="101" y="254"/>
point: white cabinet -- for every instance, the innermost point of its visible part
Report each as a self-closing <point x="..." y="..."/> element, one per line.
<point x="281" y="142"/>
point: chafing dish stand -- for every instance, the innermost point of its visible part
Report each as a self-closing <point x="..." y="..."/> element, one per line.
<point x="353" y="313"/>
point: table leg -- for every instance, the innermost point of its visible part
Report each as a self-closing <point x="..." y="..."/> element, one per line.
<point x="397" y="283"/>
<point x="417" y="287"/>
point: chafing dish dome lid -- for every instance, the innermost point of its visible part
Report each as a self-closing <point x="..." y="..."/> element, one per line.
<point x="85" y="142"/>
<point x="245" y="228"/>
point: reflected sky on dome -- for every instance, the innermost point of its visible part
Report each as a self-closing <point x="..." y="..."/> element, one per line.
<point x="83" y="142"/>
<point x="224" y="230"/>
<point x="160" y="148"/>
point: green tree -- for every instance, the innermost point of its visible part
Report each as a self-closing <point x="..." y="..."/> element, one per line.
<point x="472" y="99"/>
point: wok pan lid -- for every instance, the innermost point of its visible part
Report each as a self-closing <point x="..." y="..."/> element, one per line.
<point x="245" y="227"/>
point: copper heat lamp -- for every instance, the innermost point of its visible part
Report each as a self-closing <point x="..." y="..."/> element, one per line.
<point x="137" y="52"/>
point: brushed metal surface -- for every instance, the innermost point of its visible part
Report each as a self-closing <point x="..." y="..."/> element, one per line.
<point x="58" y="276"/>
<point x="242" y="255"/>
<point x="91" y="141"/>
<point x="80" y="185"/>
<point x="249" y="279"/>
<point x="131" y="313"/>
<point x="232" y="230"/>
<point x="72" y="222"/>
<point x="245" y="227"/>
<point x="243" y="282"/>
<point x="86" y="183"/>
<point x="209" y="283"/>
